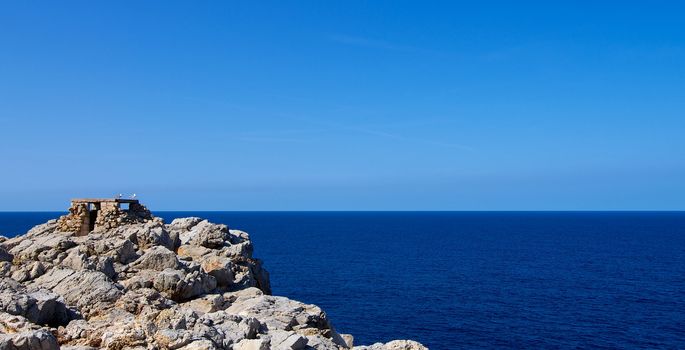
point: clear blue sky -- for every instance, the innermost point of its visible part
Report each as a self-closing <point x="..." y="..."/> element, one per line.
<point x="349" y="105"/>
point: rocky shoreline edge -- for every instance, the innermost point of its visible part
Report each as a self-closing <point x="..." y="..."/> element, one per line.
<point x="188" y="285"/>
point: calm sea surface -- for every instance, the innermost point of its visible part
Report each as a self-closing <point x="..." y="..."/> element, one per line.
<point x="460" y="280"/>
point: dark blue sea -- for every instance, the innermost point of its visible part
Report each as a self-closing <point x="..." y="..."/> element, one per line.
<point x="462" y="280"/>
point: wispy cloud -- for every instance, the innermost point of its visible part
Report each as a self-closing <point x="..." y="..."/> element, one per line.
<point x="375" y="44"/>
<point x="314" y="134"/>
<point x="269" y="139"/>
<point x="497" y="54"/>
<point x="384" y="134"/>
<point x="277" y="132"/>
<point x="279" y="135"/>
<point x="318" y="127"/>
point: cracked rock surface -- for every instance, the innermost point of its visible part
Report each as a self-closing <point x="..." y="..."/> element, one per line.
<point x="190" y="284"/>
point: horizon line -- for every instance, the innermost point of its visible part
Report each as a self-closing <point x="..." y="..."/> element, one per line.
<point x="393" y="211"/>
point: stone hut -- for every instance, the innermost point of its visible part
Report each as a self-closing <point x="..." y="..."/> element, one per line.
<point x="90" y="214"/>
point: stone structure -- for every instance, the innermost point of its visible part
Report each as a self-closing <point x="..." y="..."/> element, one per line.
<point x="90" y="214"/>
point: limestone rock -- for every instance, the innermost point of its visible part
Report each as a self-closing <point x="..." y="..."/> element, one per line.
<point x="41" y="307"/>
<point x="206" y="234"/>
<point x="220" y="268"/>
<point x="279" y="313"/>
<point x="394" y="345"/>
<point x="40" y="339"/>
<point x="141" y="284"/>
<point x="88" y="291"/>
<point x="157" y="258"/>
<point x="253" y="344"/>
<point x="17" y="333"/>
<point x="191" y="252"/>
<point x="179" y="286"/>
<point x="5" y="269"/>
<point x="152" y="233"/>
<point x="200" y="345"/>
<point x="284" y="340"/>
<point x="5" y="256"/>
<point x="322" y="343"/>
<point x="182" y="226"/>
<point x="349" y="340"/>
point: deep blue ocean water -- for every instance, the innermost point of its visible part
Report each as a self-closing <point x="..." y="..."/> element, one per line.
<point x="461" y="280"/>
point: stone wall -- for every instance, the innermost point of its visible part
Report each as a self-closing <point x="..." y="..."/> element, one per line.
<point x="76" y="221"/>
<point x="109" y="216"/>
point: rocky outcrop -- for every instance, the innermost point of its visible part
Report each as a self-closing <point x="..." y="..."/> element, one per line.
<point x="17" y="333"/>
<point x="394" y="345"/>
<point x="190" y="284"/>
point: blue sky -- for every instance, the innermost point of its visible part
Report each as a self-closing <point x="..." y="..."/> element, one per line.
<point x="349" y="105"/>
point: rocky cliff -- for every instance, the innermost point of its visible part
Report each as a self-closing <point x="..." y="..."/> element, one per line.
<point x="190" y="284"/>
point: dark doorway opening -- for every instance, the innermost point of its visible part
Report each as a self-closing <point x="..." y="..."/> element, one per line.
<point x="93" y="209"/>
